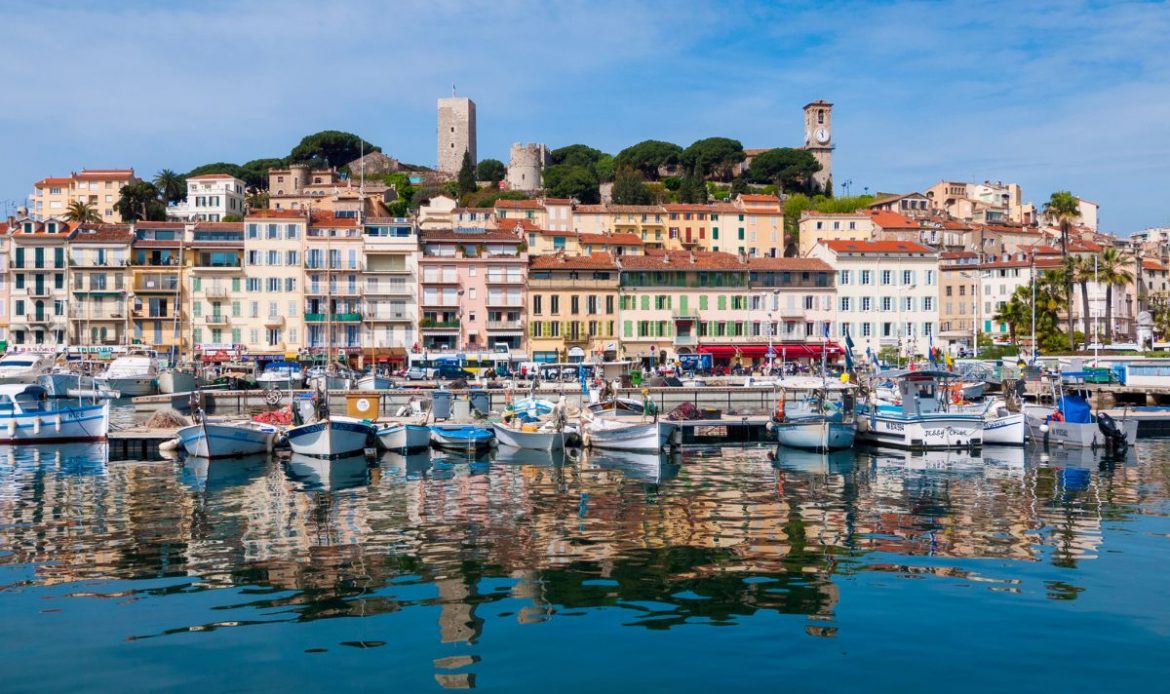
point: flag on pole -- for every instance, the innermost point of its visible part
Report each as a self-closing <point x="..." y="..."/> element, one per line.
<point x="848" y="351"/>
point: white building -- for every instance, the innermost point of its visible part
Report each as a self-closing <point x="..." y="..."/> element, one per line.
<point x="886" y="290"/>
<point x="210" y="198"/>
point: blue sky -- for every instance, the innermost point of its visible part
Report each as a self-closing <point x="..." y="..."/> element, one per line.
<point x="1062" y="95"/>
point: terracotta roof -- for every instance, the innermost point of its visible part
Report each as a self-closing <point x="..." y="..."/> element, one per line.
<point x="1085" y="247"/>
<point x="105" y="173"/>
<point x="1152" y="264"/>
<point x="683" y="260"/>
<point x="685" y="207"/>
<point x="519" y="205"/>
<point x="469" y="237"/>
<point x="877" y="247"/>
<point x="611" y="239"/>
<point x="594" y="209"/>
<point x="850" y="215"/>
<point x="752" y="197"/>
<point x="50" y="182"/>
<point x="955" y="255"/>
<point x="511" y="224"/>
<point x="159" y="225"/>
<point x="892" y="220"/>
<point x="557" y="201"/>
<point x="628" y="209"/>
<point x="103" y="233"/>
<point x="328" y="219"/>
<point x="789" y="264"/>
<point x="560" y="261"/>
<point x="39" y="230"/>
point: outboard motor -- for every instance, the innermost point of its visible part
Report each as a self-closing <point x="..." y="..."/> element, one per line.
<point x="1114" y="435"/>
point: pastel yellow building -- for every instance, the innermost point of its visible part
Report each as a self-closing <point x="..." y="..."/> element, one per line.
<point x="223" y="316"/>
<point x="846" y="226"/>
<point x="274" y="244"/>
<point x="572" y="307"/>
<point x="98" y="188"/>
<point x="157" y="301"/>
<point x="99" y="279"/>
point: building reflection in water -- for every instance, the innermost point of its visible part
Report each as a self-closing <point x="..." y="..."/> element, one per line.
<point x="709" y="538"/>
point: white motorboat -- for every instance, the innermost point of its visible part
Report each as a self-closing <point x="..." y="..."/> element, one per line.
<point x="972" y="390"/>
<point x="822" y="417"/>
<point x="176" y="380"/>
<point x="372" y="381"/>
<point x="28" y="416"/>
<point x="61" y="383"/>
<point x="282" y="375"/>
<point x="325" y="378"/>
<point x="25" y="367"/>
<point x="1001" y="427"/>
<point x="404" y="437"/>
<point x="313" y="473"/>
<point x="1071" y="421"/>
<point x="227" y="439"/>
<point x="131" y="375"/>
<point x="919" y="418"/>
<point x="622" y="434"/>
<point x="548" y="437"/>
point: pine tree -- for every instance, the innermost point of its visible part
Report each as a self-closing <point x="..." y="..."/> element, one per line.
<point x="466" y="181"/>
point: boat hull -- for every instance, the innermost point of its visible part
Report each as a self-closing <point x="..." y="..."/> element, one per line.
<point x="619" y="436"/>
<point x="176" y="382"/>
<point x="817" y="434"/>
<point x="529" y="440"/>
<point x="1008" y="430"/>
<point x="280" y="383"/>
<point x="226" y="440"/>
<point x="130" y="387"/>
<point x="404" y="437"/>
<point x="972" y="391"/>
<point x="462" y="438"/>
<point x="329" y="438"/>
<point x="925" y="432"/>
<point x="1072" y="434"/>
<point x="373" y="383"/>
<point x="63" y="425"/>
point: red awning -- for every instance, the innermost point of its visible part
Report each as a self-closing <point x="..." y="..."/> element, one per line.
<point x="798" y="350"/>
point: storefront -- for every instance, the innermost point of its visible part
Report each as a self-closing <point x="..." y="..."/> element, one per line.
<point x="748" y="355"/>
<point x="384" y="358"/>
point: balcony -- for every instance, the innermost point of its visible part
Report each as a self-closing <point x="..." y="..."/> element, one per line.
<point x="436" y="325"/>
<point x="686" y="340"/>
<point x="167" y="285"/>
<point x="686" y="316"/>
<point x="500" y="278"/>
<point x="505" y="325"/>
<point x="350" y="317"/>
<point x="43" y="290"/>
<point x="215" y="292"/>
<point x="505" y="302"/>
<point x="203" y="266"/>
<point x="566" y="283"/>
<point x="437" y="303"/>
<point x="434" y="278"/>
<point x="273" y="321"/>
<point x="216" y="319"/>
<point x="385" y="289"/>
<point x="387" y="316"/>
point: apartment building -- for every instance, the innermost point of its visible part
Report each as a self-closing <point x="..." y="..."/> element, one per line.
<point x="816" y="227"/>
<point x="223" y="318"/>
<point x="158" y="299"/>
<point x="211" y="198"/>
<point x="390" y="314"/>
<point x="334" y="265"/>
<point x="98" y="188"/>
<point x="39" y="291"/>
<point x="887" y="291"/>
<point x="274" y="272"/>
<point x="791" y="302"/>
<point x="572" y="307"/>
<point x="99" y="280"/>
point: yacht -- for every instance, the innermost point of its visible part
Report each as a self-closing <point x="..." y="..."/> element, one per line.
<point x="25" y="367"/>
<point x="132" y="374"/>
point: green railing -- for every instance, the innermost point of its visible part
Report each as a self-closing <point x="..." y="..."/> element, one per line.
<point x="336" y="317"/>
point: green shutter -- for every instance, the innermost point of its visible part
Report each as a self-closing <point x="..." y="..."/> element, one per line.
<point x="235" y="310"/>
<point x="722" y="302"/>
<point x="196" y="283"/>
<point x="702" y="302"/>
<point x="20" y="257"/>
<point x="235" y="284"/>
<point x="627" y="328"/>
<point x="682" y="304"/>
<point x="197" y="309"/>
<point x="197" y="335"/>
<point x="645" y="302"/>
<point x="235" y="336"/>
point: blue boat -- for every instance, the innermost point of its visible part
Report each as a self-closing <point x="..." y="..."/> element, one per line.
<point x="462" y="438"/>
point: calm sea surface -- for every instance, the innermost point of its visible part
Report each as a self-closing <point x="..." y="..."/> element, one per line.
<point x="721" y="568"/>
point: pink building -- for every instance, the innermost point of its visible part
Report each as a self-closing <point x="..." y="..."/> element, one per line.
<point x="471" y="290"/>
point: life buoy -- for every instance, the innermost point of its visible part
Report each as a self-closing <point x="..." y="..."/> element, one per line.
<point x="956" y="396"/>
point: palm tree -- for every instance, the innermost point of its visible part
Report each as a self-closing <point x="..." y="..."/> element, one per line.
<point x="82" y="212"/>
<point x="1083" y="272"/>
<point x="1062" y="207"/>
<point x="171" y="185"/>
<point x="1015" y="313"/>
<point x="1113" y="267"/>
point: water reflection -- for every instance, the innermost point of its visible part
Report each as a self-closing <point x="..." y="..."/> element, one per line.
<point x="709" y="537"/>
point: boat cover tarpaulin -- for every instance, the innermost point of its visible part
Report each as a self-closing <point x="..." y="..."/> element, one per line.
<point x="1076" y="409"/>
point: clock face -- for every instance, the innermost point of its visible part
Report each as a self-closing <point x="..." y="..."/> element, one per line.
<point x="822" y="135"/>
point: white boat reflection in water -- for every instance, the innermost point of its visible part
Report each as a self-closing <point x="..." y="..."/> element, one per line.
<point x="652" y="467"/>
<point x="1000" y="462"/>
<point x="834" y="462"/>
<point x="311" y="473"/>
<point x="397" y="466"/>
<point x="205" y="474"/>
<point x="507" y="455"/>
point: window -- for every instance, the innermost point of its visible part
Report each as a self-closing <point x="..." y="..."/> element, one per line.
<point x="907" y="277"/>
<point x="907" y="303"/>
<point x="887" y="277"/>
<point x="845" y="304"/>
<point x="866" y="277"/>
<point x="928" y="303"/>
<point x="844" y="277"/>
<point x="887" y="303"/>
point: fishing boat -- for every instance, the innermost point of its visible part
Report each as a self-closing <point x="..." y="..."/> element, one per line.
<point x="312" y="473"/>
<point x="207" y="439"/>
<point x="1071" y="421"/>
<point x="459" y="437"/>
<point x="1001" y="427"/>
<point x="332" y="437"/>
<point x="822" y="417"/>
<point x="25" y="367"/>
<point x="373" y="381"/>
<point x="621" y="434"/>
<point x="536" y="437"/>
<point x="404" y="437"/>
<point x="919" y="415"/>
<point x="971" y="390"/>
<point x="619" y="407"/>
<point x="64" y="383"/>
<point x="28" y="416"/>
<point x="132" y="374"/>
<point x="282" y="375"/>
<point x="330" y="378"/>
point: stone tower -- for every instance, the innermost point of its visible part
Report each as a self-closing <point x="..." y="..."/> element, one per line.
<point x="818" y="139"/>
<point x="456" y="132"/>
<point x="526" y="163"/>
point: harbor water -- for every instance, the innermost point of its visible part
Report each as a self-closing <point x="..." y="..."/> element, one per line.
<point x="738" y="568"/>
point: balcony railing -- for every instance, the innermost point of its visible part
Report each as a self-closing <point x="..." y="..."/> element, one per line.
<point x="336" y="317"/>
<point x="273" y="321"/>
<point x="214" y="291"/>
<point x="505" y="325"/>
<point x="686" y="340"/>
<point x="211" y="267"/>
<point x="147" y="284"/>
<point x="43" y="290"/>
<point x="497" y="278"/>
<point x="388" y="316"/>
<point x="505" y="302"/>
<point x="217" y="319"/>
<point x="436" y="278"/>
<point x="383" y="289"/>
<point x="439" y="325"/>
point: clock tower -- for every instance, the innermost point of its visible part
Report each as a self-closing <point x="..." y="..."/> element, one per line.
<point x="818" y="139"/>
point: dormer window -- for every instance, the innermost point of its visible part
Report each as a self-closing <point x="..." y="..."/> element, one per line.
<point x="28" y="227"/>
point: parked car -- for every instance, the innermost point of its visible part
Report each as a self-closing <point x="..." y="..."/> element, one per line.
<point x="450" y="373"/>
<point x="416" y="373"/>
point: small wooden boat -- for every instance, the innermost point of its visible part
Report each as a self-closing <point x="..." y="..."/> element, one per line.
<point x="972" y="390"/>
<point x="622" y="407"/>
<point x="226" y="439"/>
<point x="332" y="437"/>
<point x="462" y="437"/>
<point x="621" y="434"/>
<point x="821" y="418"/>
<point x="373" y="382"/>
<point x="530" y="436"/>
<point x="404" y="437"/>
